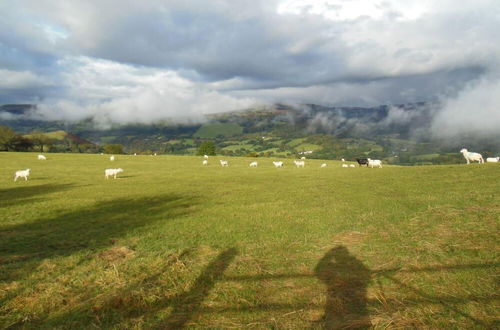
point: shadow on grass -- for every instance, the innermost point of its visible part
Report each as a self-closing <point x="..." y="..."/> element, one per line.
<point x="185" y="306"/>
<point x="23" y="194"/>
<point x="346" y="280"/>
<point x="24" y="246"/>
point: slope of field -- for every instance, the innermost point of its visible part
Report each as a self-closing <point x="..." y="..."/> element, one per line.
<point x="172" y="244"/>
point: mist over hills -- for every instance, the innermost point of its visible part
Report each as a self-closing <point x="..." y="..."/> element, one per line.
<point x="398" y="133"/>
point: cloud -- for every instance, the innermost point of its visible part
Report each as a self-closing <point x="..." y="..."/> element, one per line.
<point x="475" y="110"/>
<point x="109" y="92"/>
<point x="89" y="58"/>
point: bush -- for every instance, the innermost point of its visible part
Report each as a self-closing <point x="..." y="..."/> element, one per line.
<point x="113" y="149"/>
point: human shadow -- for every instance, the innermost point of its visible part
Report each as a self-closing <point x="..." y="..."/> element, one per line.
<point x="19" y="195"/>
<point x="187" y="305"/>
<point x="346" y="280"/>
<point x="24" y="246"/>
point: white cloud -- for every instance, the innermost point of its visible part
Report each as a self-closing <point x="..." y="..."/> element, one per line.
<point x="12" y="80"/>
<point x="475" y="110"/>
<point x="110" y="92"/>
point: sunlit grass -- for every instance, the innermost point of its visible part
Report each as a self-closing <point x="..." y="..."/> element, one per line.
<point x="172" y="243"/>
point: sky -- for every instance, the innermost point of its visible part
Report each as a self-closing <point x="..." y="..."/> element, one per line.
<point x="127" y="61"/>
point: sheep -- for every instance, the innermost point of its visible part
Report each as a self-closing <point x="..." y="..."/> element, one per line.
<point x="302" y="158"/>
<point x="343" y="159"/>
<point x="253" y="164"/>
<point x="224" y="163"/>
<point x="42" y="157"/>
<point x="323" y="165"/>
<point x="278" y="164"/>
<point x="205" y="162"/>
<point x="472" y="156"/>
<point x="345" y="165"/>
<point x="362" y="161"/>
<point x="135" y="153"/>
<point x="493" y="159"/>
<point x="299" y="163"/>
<point x="112" y="158"/>
<point x="352" y="165"/>
<point x="374" y="162"/>
<point x="112" y="172"/>
<point x="22" y="174"/>
<point x="205" y="156"/>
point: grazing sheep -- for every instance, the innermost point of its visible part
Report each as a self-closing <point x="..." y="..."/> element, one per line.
<point x="343" y="159"/>
<point x="493" y="159"/>
<point x="135" y="153"/>
<point x="112" y="172"/>
<point x="374" y="162"/>
<point x="205" y="156"/>
<point x="472" y="156"/>
<point x="278" y="164"/>
<point x="299" y="163"/>
<point x="352" y="165"/>
<point x="155" y="154"/>
<point x="362" y="161"/>
<point x="112" y="158"/>
<point x="42" y="157"/>
<point x="224" y="163"/>
<point x="253" y="164"/>
<point x="205" y="162"/>
<point x="22" y="174"/>
<point x="323" y="165"/>
<point x="345" y="165"/>
<point x="302" y="158"/>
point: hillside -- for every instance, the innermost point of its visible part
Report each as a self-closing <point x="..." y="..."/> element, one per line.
<point x="173" y="244"/>
<point x="398" y="134"/>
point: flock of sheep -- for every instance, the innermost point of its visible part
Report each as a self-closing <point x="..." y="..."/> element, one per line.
<point x="112" y="172"/>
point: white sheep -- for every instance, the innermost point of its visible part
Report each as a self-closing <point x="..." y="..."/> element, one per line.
<point x="253" y="164"/>
<point x="352" y="165"/>
<point x="112" y="172"/>
<point x="224" y="163"/>
<point x="22" y="174"/>
<point x="345" y="165"/>
<point x="112" y="158"/>
<point x="135" y="153"/>
<point x="323" y="165"/>
<point x="205" y="156"/>
<point x="278" y="164"/>
<point x="299" y="163"/>
<point x="205" y="162"/>
<point x="472" y="156"/>
<point x="374" y="162"/>
<point x="42" y="157"/>
<point x="493" y="159"/>
<point x="303" y="158"/>
<point x="343" y="159"/>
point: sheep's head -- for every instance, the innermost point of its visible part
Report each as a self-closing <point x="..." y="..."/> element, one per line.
<point x="463" y="150"/>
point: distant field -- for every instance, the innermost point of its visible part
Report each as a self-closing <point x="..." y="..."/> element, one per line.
<point x="172" y="244"/>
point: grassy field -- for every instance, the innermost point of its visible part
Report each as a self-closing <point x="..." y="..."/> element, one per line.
<point x="172" y="244"/>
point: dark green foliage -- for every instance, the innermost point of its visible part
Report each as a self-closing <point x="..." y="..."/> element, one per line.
<point x="206" y="148"/>
<point x="113" y="149"/>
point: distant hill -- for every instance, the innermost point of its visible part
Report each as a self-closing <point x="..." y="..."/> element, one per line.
<point x="398" y="134"/>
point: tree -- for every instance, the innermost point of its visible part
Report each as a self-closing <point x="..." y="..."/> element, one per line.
<point x="7" y="138"/>
<point x="113" y="149"/>
<point x="206" y="148"/>
<point x="41" y="140"/>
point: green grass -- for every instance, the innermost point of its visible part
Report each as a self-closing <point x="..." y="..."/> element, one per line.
<point x="172" y="244"/>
